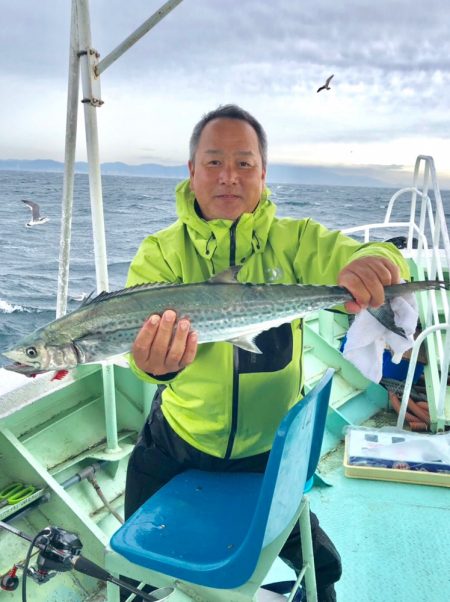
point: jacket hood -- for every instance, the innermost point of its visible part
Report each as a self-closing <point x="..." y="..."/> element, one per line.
<point x="211" y="238"/>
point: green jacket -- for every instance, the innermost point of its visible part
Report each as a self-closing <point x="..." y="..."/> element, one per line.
<point x="229" y="402"/>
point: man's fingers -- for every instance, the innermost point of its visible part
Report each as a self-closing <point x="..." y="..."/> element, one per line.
<point x="163" y="346"/>
<point x="386" y="271"/>
<point x="144" y="339"/>
<point x="163" y="337"/>
<point x="178" y="345"/>
<point x="358" y="284"/>
<point x="353" y="307"/>
<point x="366" y="278"/>
<point x="190" y="351"/>
<point x="394" y="271"/>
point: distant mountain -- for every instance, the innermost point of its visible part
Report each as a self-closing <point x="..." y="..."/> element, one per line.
<point x="27" y="165"/>
<point x="114" y="169"/>
<point x="325" y="176"/>
<point x="279" y="173"/>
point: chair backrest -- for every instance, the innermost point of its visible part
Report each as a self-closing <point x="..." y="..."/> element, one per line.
<point x="289" y="461"/>
<point x="319" y="429"/>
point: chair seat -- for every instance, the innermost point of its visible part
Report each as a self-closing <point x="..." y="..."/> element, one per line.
<point x="193" y="528"/>
<point x="212" y="528"/>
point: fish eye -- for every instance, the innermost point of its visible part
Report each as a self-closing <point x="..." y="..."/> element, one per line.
<point x="31" y="352"/>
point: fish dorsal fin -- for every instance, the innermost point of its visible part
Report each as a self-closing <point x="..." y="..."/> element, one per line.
<point x="87" y="299"/>
<point x="104" y="295"/>
<point x="229" y="276"/>
<point x="226" y="277"/>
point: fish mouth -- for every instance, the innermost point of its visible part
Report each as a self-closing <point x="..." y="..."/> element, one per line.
<point x="24" y="369"/>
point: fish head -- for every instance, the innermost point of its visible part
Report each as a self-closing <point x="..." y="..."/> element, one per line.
<point x="33" y="357"/>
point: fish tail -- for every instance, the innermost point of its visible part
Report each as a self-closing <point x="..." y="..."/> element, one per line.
<point x="395" y="290"/>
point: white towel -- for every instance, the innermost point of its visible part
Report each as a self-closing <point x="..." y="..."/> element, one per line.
<point x="367" y="338"/>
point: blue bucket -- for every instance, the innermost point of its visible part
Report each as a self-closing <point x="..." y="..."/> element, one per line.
<point x="399" y="371"/>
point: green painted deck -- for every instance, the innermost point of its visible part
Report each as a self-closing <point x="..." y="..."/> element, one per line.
<point x="394" y="538"/>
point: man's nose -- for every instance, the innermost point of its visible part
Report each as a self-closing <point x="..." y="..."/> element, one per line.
<point x="228" y="174"/>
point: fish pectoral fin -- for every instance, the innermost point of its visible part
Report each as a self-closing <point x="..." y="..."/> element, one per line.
<point x="246" y="342"/>
<point x="116" y="360"/>
<point x="229" y="276"/>
<point x="119" y="360"/>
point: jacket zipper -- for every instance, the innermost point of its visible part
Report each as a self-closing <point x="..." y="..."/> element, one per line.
<point x="235" y="394"/>
<point x="300" y="369"/>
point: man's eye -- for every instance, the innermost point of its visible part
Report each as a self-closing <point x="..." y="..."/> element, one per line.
<point x="244" y="164"/>
<point x="214" y="162"/>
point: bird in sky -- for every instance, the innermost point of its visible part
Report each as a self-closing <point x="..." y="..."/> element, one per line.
<point x="36" y="218"/>
<point x="326" y="86"/>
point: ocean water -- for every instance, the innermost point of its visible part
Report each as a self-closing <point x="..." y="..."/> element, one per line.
<point x="134" y="207"/>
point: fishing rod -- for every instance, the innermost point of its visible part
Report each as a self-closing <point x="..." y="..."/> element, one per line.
<point x="59" y="551"/>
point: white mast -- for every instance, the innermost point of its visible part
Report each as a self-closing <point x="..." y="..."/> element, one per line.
<point x="83" y="58"/>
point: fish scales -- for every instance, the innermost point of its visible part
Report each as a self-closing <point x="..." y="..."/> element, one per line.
<point x="220" y="309"/>
<point x="215" y="310"/>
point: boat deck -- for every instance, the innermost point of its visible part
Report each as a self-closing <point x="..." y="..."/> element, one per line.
<point x="393" y="537"/>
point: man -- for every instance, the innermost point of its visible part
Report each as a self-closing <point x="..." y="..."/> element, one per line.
<point x="218" y="407"/>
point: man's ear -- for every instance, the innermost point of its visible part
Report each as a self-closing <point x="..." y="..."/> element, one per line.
<point x="191" y="168"/>
<point x="263" y="178"/>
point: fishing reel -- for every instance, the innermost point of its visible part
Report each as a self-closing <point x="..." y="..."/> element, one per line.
<point x="57" y="549"/>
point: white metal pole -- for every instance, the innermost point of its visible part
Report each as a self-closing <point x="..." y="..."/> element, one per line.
<point x="69" y="166"/>
<point x="137" y="35"/>
<point x="87" y="59"/>
<point x="91" y="100"/>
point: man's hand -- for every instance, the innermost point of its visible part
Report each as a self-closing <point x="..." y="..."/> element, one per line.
<point x="366" y="278"/>
<point x="161" y="347"/>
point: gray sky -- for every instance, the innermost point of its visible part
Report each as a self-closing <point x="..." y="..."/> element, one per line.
<point x="389" y="99"/>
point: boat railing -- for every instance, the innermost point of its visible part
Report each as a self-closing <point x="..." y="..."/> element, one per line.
<point x="427" y="248"/>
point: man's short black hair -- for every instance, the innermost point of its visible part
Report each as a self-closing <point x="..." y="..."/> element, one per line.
<point x="229" y="112"/>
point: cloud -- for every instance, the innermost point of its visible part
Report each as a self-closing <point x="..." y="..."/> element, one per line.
<point x="387" y="35"/>
<point x="391" y="62"/>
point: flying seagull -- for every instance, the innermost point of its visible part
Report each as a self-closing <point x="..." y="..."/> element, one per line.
<point x="327" y="84"/>
<point x="36" y="219"/>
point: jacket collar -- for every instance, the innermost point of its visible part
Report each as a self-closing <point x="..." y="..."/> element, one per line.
<point x="212" y="238"/>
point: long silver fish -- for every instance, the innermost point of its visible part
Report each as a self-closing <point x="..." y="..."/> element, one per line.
<point x="221" y="309"/>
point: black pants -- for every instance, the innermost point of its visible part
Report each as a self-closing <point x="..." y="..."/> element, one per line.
<point x="160" y="454"/>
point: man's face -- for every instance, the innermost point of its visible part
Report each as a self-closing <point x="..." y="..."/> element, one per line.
<point x="227" y="176"/>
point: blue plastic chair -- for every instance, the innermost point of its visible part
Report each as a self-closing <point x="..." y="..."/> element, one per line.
<point x="211" y="528"/>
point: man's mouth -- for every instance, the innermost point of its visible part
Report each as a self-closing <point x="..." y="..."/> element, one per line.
<point x="228" y="197"/>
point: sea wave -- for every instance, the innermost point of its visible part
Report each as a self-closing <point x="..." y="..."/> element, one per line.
<point x="134" y="208"/>
<point x="7" y="308"/>
<point x="11" y="308"/>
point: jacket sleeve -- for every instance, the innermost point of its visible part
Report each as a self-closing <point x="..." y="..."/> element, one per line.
<point x="149" y="266"/>
<point x="322" y="254"/>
